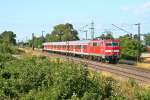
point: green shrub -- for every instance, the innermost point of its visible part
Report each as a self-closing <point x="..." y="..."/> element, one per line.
<point x="6" y="75"/>
<point x="9" y="48"/>
<point x="10" y="93"/>
<point x="38" y="78"/>
<point x="5" y="58"/>
<point x="143" y="94"/>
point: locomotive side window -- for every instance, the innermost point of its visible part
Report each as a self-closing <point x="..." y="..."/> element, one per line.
<point x="96" y="44"/>
<point x="108" y="44"/>
<point x="112" y="44"/>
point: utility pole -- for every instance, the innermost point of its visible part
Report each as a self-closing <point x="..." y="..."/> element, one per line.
<point x="42" y="33"/>
<point x="18" y="44"/>
<point x="42" y="36"/>
<point x="86" y="33"/>
<point x="92" y="30"/>
<point x="139" y="40"/>
<point x="32" y="41"/>
<point x="84" y="30"/>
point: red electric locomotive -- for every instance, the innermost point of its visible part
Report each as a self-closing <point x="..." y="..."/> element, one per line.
<point x="102" y="50"/>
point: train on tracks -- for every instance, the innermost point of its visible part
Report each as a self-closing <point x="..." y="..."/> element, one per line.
<point x="101" y="50"/>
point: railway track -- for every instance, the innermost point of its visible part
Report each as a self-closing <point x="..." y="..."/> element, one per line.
<point x="127" y="71"/>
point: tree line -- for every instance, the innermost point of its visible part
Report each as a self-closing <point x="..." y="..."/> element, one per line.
<point x="61" y="32"/>
<point x="65" y="32"/>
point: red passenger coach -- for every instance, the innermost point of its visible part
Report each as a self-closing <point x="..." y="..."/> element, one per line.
<point x="102" y="50"/>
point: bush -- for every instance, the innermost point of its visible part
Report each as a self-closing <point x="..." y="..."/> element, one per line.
<point x="143" y="94"/>
<point x="5" y="58"/>
<point x="6" y="75"/>
<point x="9" y="48"/>
<point x="40" y="78"/>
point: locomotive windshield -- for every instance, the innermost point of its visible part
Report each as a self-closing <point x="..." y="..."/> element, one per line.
<point x="112" y="44"/>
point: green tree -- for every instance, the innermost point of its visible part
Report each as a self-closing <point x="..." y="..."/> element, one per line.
<point x="129" y="46"/>
<point x="52" y="37"/>
<point x="63" y="32"/>
<point x="8" y="37"/>
<point x="107" y="36"/>
<point x="147" y="39"/>
<point x="38" y="41"/>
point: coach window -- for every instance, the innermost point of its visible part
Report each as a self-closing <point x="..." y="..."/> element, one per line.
<point x="76" y="47"/>
<point x="70" y="46"/>
<point x="79" y="46"/>
<point x="84" y="47"/>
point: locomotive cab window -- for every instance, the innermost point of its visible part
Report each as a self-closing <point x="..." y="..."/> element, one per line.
<point x="115" y="44"/>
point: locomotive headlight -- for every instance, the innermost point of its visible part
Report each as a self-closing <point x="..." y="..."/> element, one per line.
<point x="108" y="50"/>
<point x="116" y="51"/>
<point x="112" y="51"/>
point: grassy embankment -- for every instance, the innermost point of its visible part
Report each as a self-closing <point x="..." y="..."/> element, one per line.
<point x="35" y="77"/>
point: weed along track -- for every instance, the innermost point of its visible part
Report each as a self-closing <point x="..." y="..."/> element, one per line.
<point x="138" y="74"/>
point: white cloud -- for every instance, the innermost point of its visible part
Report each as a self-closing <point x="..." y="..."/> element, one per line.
<point x="137" y="9"/>
<point x="146" y="5"/>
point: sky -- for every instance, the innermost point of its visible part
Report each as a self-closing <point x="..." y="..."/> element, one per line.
<point x="25" y="17"/>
